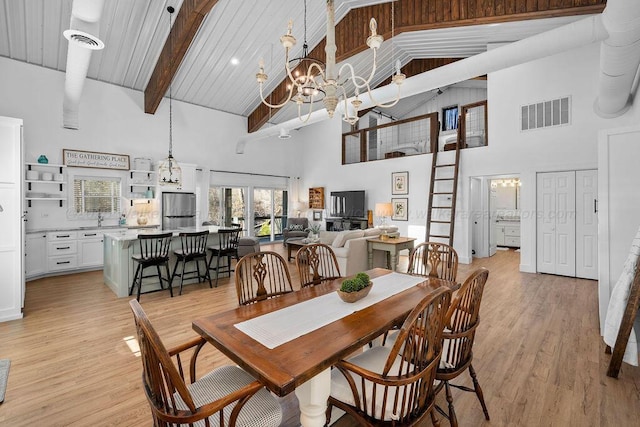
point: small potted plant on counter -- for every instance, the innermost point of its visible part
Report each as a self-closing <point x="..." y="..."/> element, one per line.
<point x="356" y="288"/>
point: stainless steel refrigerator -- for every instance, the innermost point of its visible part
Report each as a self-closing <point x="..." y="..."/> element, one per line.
<point x="178" y="210"/>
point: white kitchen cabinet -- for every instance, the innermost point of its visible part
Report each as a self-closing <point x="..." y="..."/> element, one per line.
<point x="35" y="254"/>
<point x="11" y="220"/>
<point x="90" y="249"/>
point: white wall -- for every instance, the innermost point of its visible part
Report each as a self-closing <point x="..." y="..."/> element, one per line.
<point x="112" y="119"/>
<point x="510" y="151"/>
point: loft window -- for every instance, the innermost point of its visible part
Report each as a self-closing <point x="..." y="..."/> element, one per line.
<point x="450" y="118"/>
<point x="96" y="194"/>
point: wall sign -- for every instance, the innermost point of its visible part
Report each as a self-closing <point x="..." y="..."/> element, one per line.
<point x="92" y="159"/>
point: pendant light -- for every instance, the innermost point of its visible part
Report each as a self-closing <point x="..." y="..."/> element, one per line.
<point x="169" y="172"/>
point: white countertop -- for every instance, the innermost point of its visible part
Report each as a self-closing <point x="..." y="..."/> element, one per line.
<point x="106" y="228"/>
<point x="123" y="235"/>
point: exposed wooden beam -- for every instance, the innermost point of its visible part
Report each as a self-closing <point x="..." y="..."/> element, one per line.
<point x="418" y="15"/>
<point x="184" y="29"/>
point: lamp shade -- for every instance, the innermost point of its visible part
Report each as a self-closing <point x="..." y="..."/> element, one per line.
<point x="383" y="209"/>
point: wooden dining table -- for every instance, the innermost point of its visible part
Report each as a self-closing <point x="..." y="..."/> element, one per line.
<point x="303" y="364"/>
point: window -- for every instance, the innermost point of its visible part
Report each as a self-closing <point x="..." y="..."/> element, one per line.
<point x="227" y="206"/>
<point x="96" y="194"/>
<point x="450" y="118"/>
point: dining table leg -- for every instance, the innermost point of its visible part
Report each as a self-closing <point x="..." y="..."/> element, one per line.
<point x="312" y="398"/>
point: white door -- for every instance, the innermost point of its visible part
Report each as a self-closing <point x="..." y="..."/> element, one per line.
<point x="587" y="224"/>
<point x="493" y="218"/>
<point x="556" y="200"/>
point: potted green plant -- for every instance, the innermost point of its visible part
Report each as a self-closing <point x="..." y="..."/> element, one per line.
<point x="314" y="232"/>
<point x="356" y="288"/>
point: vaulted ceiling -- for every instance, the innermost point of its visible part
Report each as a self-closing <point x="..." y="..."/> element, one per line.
<point x="212" y="33"/>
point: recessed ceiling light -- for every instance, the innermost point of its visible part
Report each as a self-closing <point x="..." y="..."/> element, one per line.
<point x="235" y="61"/>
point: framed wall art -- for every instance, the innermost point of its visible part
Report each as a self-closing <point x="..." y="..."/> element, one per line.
<point x="317" y="215"/>
<point x="400" y="209"/>
<point x="400" y="183"/>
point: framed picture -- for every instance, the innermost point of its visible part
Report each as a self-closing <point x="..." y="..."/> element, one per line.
<point x="400" y="209"/>
<point x="317" y="215"/>
<point x="400" y="183"/>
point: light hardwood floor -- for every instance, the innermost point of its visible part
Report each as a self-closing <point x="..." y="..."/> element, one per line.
<point x="538" y="354"/>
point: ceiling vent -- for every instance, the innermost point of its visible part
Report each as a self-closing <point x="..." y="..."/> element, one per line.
<point x="83" y="39"/>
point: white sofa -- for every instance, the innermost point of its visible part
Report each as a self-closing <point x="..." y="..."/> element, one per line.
<point x="350" y="247"/>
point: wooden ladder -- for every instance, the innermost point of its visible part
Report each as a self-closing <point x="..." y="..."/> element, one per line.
<point x="443" y="175"/>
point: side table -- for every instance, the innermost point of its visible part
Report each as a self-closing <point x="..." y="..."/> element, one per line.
<point x="393" y="245"/>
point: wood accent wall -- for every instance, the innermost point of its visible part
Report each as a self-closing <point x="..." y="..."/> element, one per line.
<point x="416" y="15"/>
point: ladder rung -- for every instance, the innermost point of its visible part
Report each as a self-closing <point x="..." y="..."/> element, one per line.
<point x="440" y="193"/>
<point x="446" y="165"/>
<point x="441" y="222"/>
<point x="443" y="179"/>
<point x="442" y="236"/>
<point x="441" y="207"/>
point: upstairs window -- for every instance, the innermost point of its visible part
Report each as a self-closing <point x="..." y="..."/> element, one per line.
<point x="450" y="118"/>
<point x="96" y="194"/>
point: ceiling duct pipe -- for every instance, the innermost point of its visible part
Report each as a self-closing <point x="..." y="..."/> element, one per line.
<point x="567" y="37"/>
<point x="619" y="58"/>
<point x="85" y="22"/>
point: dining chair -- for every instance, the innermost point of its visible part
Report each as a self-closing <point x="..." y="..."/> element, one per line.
<point x="226" y="394"/>
<point x="432" y="259"/>
<point x="153" y="252"/>
<point x="462" y="321"/>
<point x="193" y="247"/>
<point x="227" y="248"/>
<point x="395" y="386"/>
<point x="261" y="275"/>
<point x="316" y="264"/>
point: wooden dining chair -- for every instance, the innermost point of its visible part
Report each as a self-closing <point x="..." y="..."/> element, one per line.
<point x="432" y="259"/>
<point x="226" y="394"/>
<point x="316" y="264"/>
<point x="462" y="321"/>
<point x="261" y="275"/>
<point x="394" y="386"/>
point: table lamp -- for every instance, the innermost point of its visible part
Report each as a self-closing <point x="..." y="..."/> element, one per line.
<point x="383" y="210"/>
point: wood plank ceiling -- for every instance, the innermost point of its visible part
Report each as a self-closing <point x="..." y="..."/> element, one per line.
<point x="136" y="32"/>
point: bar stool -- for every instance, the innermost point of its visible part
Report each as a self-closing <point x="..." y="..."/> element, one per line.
<point x="193" y="248"/>
<point x="227" y="247"/>
<point x="154" y="251"/>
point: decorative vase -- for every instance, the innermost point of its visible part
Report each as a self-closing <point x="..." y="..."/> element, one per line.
<point x="43" y="159"/>
<point x="354" y="296"/>
<point x="314" y="237"/>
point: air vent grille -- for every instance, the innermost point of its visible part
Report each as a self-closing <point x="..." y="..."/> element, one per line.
<point x="556" y="112"/>
<point x="83" y="39"/>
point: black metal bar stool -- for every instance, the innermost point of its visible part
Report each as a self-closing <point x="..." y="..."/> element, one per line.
<point x="227" y="248"/>
<point x="194" y="248"/>
<point x="154" y="251"/>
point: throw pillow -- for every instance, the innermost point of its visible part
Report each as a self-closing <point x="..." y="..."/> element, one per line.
<point x="295" y="227"/>
<point x="343" y="236"/>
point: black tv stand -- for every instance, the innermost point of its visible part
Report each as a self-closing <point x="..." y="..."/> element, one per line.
<point x="340" y="224"/>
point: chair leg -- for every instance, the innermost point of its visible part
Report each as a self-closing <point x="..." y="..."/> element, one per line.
<point x="175" y="269"/>
<point x="184" y="263"/>
<point x="478" y="390"/>
<point x="135" y="277"/>
<point x="207" y="274"/>
<point x="159" y="276"/>
<point x="328" y="414"/>
<point x="140" y="282"/>
<point x="452" y="412"/>
<point x="434" y="420"/>
<point x="169" y="278"/>
<point x="217" y="269"/>
<point x="197" y="261"/>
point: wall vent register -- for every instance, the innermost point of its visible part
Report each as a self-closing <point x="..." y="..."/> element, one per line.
<point x="544" y="114"/>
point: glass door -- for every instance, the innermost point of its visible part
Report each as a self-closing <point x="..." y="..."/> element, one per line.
<point x="269" y="212"/>
<point x="227" y="206"/>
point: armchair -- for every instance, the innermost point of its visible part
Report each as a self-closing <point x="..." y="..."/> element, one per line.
<point x="295" y="228"/>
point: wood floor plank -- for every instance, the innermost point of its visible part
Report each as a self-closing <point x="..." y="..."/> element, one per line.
<point x="538" y="353"/>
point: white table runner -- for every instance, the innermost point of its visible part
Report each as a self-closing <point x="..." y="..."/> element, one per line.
<point x="278" y="327"/>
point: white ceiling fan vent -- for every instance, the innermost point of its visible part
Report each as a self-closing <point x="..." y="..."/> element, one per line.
<point x="83" y="39"/>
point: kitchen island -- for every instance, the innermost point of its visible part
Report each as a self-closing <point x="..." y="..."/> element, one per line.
<point x="120" y="245"/>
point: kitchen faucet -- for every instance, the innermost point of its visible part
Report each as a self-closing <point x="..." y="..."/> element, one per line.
<point x="100" y="218"/>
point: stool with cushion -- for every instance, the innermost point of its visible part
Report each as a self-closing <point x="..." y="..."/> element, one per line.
<point x="154" y="252"/>
<point x="193" y="247"/>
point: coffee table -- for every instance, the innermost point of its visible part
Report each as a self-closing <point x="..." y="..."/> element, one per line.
<point x="296" y="244"/>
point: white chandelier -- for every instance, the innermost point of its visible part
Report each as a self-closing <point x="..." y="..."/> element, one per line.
<point x="319" y="82"/>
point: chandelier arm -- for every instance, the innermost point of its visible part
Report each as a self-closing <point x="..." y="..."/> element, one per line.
<point x="354" y="76"/>
<point x="320" y="74"/>
<point x="389" y="105"/>
<point x="264" y="101"/>
<point x="308" y="116"/>
<point x="346" y="117"/>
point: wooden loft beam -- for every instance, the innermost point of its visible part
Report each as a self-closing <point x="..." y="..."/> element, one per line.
<point x="418" y="15"/>
<point x="184" y="29"/>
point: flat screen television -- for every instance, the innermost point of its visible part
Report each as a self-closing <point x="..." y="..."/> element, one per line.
<point x="348" y="204"/>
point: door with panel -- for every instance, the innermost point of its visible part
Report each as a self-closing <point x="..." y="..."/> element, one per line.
<point x="587" y="224"/>
<point x="556" y="229"/>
